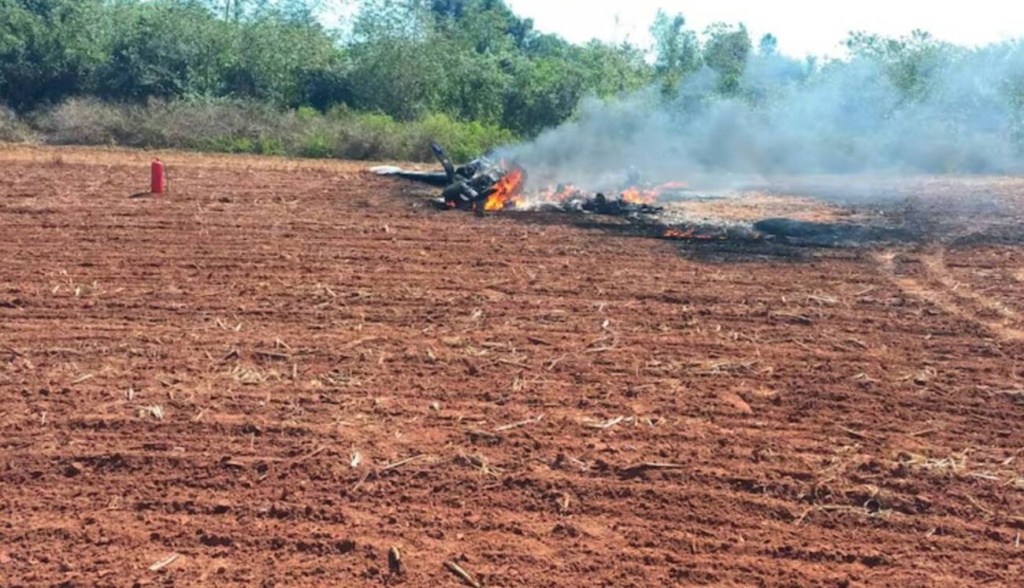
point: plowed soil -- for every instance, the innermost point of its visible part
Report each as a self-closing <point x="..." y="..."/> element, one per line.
<point x="280" y="370"/>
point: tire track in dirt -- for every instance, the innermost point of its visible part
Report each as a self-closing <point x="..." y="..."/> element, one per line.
<point x="940" y="288"/>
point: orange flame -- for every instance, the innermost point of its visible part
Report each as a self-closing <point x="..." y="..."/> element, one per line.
<point x="558" y="193"/>
<point x="636" y="196"/>
<point x="677" y="234"/>
<point x="687" y="234"/>
<point x="507" y="192"/>
<point x="567" y="192"/>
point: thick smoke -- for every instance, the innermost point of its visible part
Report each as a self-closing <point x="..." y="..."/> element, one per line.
<point x="793" y="119"/>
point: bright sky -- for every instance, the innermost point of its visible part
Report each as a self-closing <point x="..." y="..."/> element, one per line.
<point x="802" y="26"/>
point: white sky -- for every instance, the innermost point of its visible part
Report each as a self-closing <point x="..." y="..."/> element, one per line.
<point x="802" y="26"/>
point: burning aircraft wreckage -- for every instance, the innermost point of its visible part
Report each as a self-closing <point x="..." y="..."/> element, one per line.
<point x="485" y="185"/>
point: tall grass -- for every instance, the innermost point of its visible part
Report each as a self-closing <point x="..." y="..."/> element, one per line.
<point x="247" y="127"/>
<point x="12" y="129"/>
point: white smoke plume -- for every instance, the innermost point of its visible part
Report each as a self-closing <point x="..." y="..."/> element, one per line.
<point x="791" y="119"/>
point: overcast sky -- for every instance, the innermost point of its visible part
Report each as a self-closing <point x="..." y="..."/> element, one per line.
<point x="802" y="26"/>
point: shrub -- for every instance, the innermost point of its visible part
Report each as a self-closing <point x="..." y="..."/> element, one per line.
<point x="12" y="129"/>
<point x="228" y="145"/>
<point x="317" y="145"/>
<point x="268" y="146"/>
<point x="83" y="121"/>
<point x="463" y="141"/>
<point x="246" y="127"/>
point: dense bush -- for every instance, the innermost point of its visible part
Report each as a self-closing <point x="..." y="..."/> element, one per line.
<point x="13" y="129"/>
<point x="253" y="127"/>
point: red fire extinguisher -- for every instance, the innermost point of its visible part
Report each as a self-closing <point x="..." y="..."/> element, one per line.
<point x="158" y="180"/>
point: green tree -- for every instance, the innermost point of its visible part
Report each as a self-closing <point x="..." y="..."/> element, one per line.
<point x="768" y="45"/>
<point x="544" y="93"/>
<point x="239" y="10"/>
<point x="676" y="49"/>
<point x="475" y="60"/>
<point x="395" y="67"/>
<point x="49" y="49"/>
<point x="485" y="26"/>
<point x="257" y="67"/>
<point x="608" y="70"/>
<point x="912" y="62"/>
<point x="726" y="51"/>
<point x="167" y="49"/>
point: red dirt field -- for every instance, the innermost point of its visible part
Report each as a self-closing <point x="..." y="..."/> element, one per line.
<point x="281" y="370"/>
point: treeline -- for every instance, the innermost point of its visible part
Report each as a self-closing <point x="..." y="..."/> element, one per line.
<point x="470" y="71"/>
<point x="130" y="51"/>
<point x="267" y="75"/>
